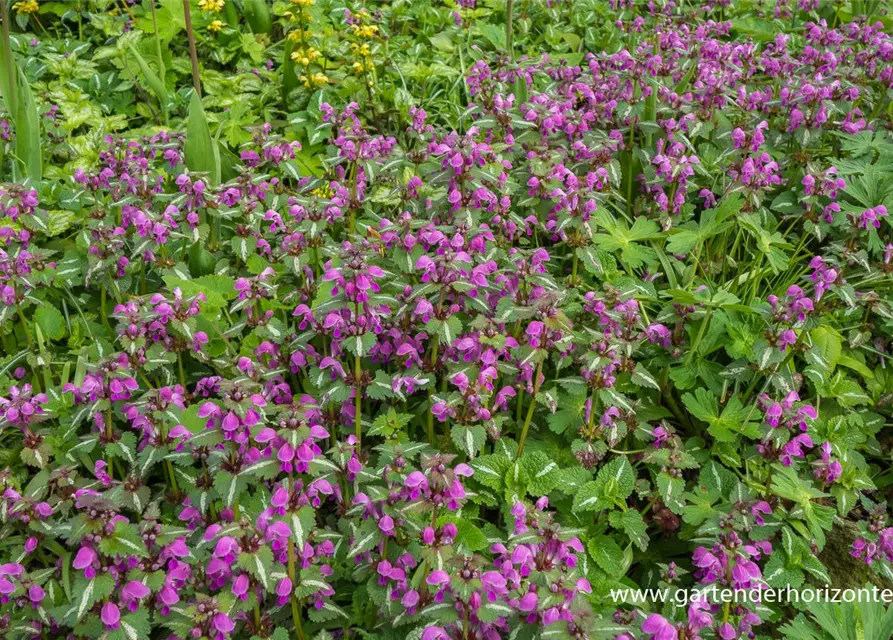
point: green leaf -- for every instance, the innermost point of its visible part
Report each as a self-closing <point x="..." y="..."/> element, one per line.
<point x="826" y="348"/>
<point x="89" y="593"/>
<point x="227" y="486"/>
<point x="671" y="489"/>
<point x="847" y="392"/>
<point x="607" y="555"/>
<point x="490" y="470"/>
<point x="27" y="135"/>
<point x="542" y="473"/>
<point x="302" y="523"/>
<point x="125" y="541"/>
<point x="492" y="611"/>
<point x="570" y="411"/>
<point x="218" y="289"/>
<point x="698" y="507"/>
<point x="712" y="223"/>
<point x="50" y="321"/>
<point x="632" y="524"/>
<point x="136" y="624"/>
<point x="613" y="485"/>
<point x="447" y="331"/>
<point x="704" y="406"/>
<point x="201" y="154"/>
<point x="468" y="439"/>
<point x="572" y="479"/>
<point x="360" y="345"/>
<point x="623" y="239"/>
<point x="718" y="480"/>
<point x="389" y="424"/>
<point x="155" y="83"/>
<point x="259" y="564"/>
<point x="642" y="377"/>
<point x="289" y="77"/>
<point x="778" y="574"/>
<point x="494" y="33"/>
<point x="468" y="534"/>
<point x="6" y="80"/>
<point x="257" y="15"/>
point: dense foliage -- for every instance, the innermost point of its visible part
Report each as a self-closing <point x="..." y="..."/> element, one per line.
<point x="431" y="319"/>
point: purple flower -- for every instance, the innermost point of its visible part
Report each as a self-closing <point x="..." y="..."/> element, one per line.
<point x="438" y="578"/>
<point x="223" y="624"/>
<point x="110" y="615"/>
<point x="659" y="628"/>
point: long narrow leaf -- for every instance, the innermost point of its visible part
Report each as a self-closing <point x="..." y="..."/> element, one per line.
<point x="5" y="77"/>
<point x="257" y="15"/>
<point x="152" y="80"/>
<point x="202" y="154"/>
<point x="289" y="76"/>
<point x="27" y="125"/>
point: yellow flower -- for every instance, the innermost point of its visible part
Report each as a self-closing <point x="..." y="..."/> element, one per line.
<point x="305" y="56"/>
<point x="362" y="50"/>
<point x="211" y="5"/>
<point x="325" y="192"/>
<point x="364" y="31"/>
<point x="216" y="26"/>
<point x="27" y="6"/>
<point x="315" y="80"/>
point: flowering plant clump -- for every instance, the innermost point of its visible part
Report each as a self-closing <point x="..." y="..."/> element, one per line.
<point x="444" y="321"/>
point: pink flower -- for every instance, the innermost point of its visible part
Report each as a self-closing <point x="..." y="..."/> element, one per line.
<point x="434" y="633"/>
<point x="438" y="578"/>
<point x="660" y="628"/>
<point x="528" y="602"/>
<point x="110" y="615"/>
<point x="410" y="599"/>
<point x="84" y="560"/>
<point x="223" y="624"/>
<point x="386" y="525"/>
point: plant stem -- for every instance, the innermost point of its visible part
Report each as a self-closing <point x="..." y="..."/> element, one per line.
<point x="193" y="55"/>
<point x="701" y="331"/>
<point x="358" y="419"/>
<point x="354" y="177"/>
<point x="169" y="466"/>
<point x="435" y="346"/>
<point x="25" y="328"/>
<point x="180" y="366"/>
<point x="536" y="389"/>
<point x="295" y="608"/>
<point x="161" y="70"/>
<point x="105" y="318"/>
<point x="430" y="429"/>
<point x="508" y="28"/>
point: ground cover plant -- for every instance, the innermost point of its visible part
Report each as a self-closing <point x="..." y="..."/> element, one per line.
<point x="441" y="320"/>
